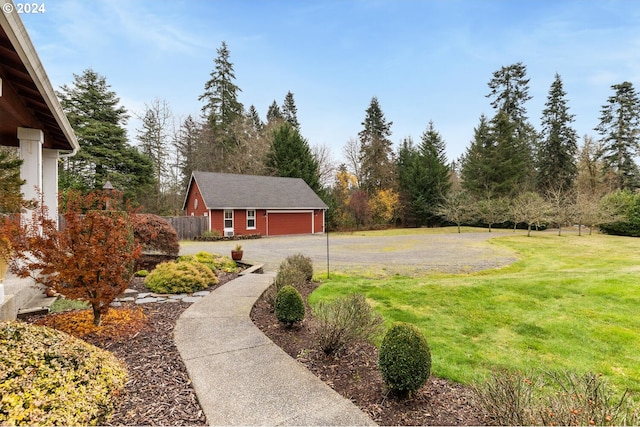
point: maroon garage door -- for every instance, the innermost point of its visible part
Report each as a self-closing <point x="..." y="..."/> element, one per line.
<point x="280" y="223"/>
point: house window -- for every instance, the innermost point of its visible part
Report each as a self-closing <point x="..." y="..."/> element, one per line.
<point x="251" y="219"/>
<point x="228" y="218"/>
<point x="195" y="204"/>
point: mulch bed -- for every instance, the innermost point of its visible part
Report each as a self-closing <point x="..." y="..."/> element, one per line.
<point x="159" y="391"/>
<point x="355" y="375"/>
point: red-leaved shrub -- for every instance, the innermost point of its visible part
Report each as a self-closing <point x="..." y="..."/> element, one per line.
<point x="155" y="234"/>
<point x="91" y="258"/>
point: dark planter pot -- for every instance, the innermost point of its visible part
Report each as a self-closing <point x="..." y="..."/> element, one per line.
<point x="236" y="255"/>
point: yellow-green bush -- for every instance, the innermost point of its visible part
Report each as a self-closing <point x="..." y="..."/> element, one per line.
<point x="214" y="261"/>
<point x="50" y="378"/>
<point x="180" y="277"/>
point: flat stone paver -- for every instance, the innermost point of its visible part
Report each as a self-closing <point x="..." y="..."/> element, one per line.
<point x="241" y="377"/>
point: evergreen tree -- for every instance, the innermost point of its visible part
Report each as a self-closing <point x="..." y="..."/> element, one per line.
<point x="375" y="150"/>
<point x="432" y="154"/>
<point x="99" y="124"/>
<point x="10" y="182"/>
<point x="187" y="141"/>
<point x="478" y="163"/>
<point x="253" y="115"/>
<point x="619" y="129"/>
<point x="274" y="114"/>
<point x="559" y="142"/>
<point x="423" y="178"/>
<point x="513" y="135"/>
<point x="289" y="111"/>
<point x="221" y="106"/>
<point x="513" y="163"/>
<point x="221" y="110"/>
<point x="510" y="90"/>
<point x="290" y="155"/>
<point x="410" y="176"/>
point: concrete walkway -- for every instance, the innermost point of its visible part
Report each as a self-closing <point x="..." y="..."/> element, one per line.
<point x="241" y="377"/>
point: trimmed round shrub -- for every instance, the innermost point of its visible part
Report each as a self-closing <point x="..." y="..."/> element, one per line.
<point x="289" y="306"/>
<point x="404" y="358"/>
<point x="50" y="378"/>
<point x="301" y="263"/>
<point x="155" y="234"/>
<point x="180" y="277"/>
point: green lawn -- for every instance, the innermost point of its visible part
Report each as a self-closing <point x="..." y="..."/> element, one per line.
<point x="570" y="302"/>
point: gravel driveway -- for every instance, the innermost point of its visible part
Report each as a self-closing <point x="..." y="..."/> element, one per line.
<point x="374" y="255"/>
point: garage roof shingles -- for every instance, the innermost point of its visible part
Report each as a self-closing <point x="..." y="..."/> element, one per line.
<point x="233" y="191"/>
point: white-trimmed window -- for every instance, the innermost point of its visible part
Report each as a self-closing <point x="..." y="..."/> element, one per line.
<point x="228" y="219"/>
<point x="251" y="219"/>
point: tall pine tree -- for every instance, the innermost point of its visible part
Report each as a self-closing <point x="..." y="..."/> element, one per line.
<point x="290" y="111"/>
<point x="433" y="155"/>
<point x="411" y="175"/>
<point x="274" y="114"/>
<point x="478" y="168"/>
<point x="221" y="110"/>
<point x="290" y="155"/>
<point x="186" y="142"/>
<point x="256" y="121"/>
<point x="510" y="91"/>
<point x="99" y="123"/>
<point x="221" y="106"/>
<point x="513" y="135"/>
<point x="619" y="129"/>
<point x="423" y="178"/>
<point x="376" y="155"/>
<point x="558" y="143"/>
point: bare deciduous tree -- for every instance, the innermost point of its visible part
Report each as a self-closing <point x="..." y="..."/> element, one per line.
<point x="459" y="208"/>
<point x="326" y="164"/>
<point x="529" y="208"/>
<point x="562" y="204"/>
<point x="351" y="152"/>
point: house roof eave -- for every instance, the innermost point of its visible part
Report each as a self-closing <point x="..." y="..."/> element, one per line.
<point x="37" y="79"/>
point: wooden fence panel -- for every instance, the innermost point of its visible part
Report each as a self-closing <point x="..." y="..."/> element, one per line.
<point x="188" y="227"/>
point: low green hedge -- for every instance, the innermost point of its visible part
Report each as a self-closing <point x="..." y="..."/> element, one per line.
<point x="50" y="378"/>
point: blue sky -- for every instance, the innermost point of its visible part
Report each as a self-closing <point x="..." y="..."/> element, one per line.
<point x="424" y="60"/>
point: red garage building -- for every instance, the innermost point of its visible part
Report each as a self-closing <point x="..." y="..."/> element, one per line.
<point x="250" y="204"/>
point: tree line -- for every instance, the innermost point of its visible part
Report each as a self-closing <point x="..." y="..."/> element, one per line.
<point x="376" y="186"/>
<point x="510" y="172"/>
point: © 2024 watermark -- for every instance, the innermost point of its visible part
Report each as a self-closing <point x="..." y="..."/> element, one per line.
<point x="24" y="8"/>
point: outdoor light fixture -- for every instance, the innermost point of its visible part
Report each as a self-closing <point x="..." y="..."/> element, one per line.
<point x="107" y="187"/>
<point x="109" y="191"/>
